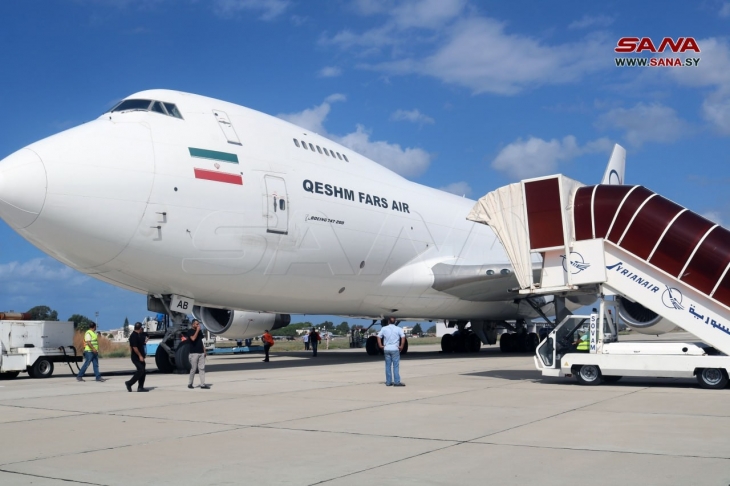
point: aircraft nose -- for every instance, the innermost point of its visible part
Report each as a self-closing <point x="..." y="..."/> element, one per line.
<point x="23" y="185"/>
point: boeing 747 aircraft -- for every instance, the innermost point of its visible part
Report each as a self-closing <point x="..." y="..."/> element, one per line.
<point x="242" y="218"/>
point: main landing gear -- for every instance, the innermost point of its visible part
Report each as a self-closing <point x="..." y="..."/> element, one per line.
<point x="519" y="340"/>
<point x="469" y="339"/>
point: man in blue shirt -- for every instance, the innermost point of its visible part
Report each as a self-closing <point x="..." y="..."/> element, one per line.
<point x="391" y="340"/>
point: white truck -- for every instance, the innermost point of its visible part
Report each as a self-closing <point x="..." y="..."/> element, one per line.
<point x="607" y="360"/>
<point x="34" y="346"/>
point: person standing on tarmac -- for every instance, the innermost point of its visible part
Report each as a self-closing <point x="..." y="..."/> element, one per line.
<point x="314" y="340"/>
<point x="91" y="353"/>
<point x="136" y="343"/>
<point x="305" y="338"/>
<point x="197" y="355"/>
<point x="268" y="340"/>
<point x="391" y="340"/>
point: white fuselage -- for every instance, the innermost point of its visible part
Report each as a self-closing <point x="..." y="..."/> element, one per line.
<point x="128" y="199"/>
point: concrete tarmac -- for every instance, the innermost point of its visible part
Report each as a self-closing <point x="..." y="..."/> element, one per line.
<point x="461" y="419"/>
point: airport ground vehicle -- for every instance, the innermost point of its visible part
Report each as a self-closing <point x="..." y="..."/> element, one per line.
<point x="660" y="265"/>
<point x="34" y="346"/>
<point x="608" y="360"/>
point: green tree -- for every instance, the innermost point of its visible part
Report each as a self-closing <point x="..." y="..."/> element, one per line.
<point x="417" y="331"/>
<point x="81" y="323"/>
<point x="43" y="313"/>
<point x="343" y="328"/>
<point x="126" y="327"/>
<point x="431" y="330"/>
<point x="327" y="325"/>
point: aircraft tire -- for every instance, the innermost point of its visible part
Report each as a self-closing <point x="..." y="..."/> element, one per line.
<point x="162" y="360"/>
<point x="447" y="343"/>
<point x="532" y="341"/>
<point x="371" y="346"/>
<point x="182" y="358"/>
<point x="473" y="343"/>
<point x="505" y="342"/>
<point x="460" y="343"/>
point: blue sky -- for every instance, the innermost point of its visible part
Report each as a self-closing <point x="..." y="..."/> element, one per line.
<point x="456" y="94"/>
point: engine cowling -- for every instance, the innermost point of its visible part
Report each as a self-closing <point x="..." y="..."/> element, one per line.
<point x="237" y="324"/>
<point x="641" y="319"/>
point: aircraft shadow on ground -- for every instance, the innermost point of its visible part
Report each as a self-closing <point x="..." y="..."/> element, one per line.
<point x="304" y="359"/>
<point x="515" y="375"/>
<point x="535" y="376"/>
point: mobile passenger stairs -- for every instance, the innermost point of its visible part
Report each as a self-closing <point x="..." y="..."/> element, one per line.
<point x="618" y="243"/>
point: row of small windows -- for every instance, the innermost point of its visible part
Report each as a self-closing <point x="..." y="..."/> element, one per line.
<point x="148" y="105"/>
<point x="322" y="150"/>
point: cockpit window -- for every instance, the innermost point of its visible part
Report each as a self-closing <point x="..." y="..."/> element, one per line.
<point x="148" y="105"/>
<point x="129" y="105"/>
<point x="157" y="107"/>
<point x="173" y="111"/>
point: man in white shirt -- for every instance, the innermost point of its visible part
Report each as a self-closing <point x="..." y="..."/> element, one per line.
<point x="391" y="339"/>
<point x="305" y="338"/>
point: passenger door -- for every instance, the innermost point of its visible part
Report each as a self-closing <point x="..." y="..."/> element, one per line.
<point x="277" y="205"/>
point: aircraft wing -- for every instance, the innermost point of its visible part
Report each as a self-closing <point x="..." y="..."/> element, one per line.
<point x="479" y="283"/>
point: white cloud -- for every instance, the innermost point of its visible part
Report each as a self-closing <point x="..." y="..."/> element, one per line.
<point x="269" y="9"/>
<point x="426" y="13"/>
<point x="33" y="275"/>
<point x="459" y="188"/>
<point x="330" y="72"/>
<point x="645" y="123"/>
<point x="591" y="21"/>
<point x="536" y="157"/>
<point x="713" y="216"/>
<point x="313" y="118"/>
<point x="408" y="162"/>
<point x="404" y="161"/>
<point x="716" y="110"/>
<point x="413" y="116"/>
<point x="712" y="72"/>
<point x="478" y="54"/>
<point x="371" y="7"/>
<point x="470" y="50"/>
<point x="725" y="10"/>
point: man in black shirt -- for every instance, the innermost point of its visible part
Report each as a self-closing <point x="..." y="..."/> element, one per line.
<point x="137" y="345"/>
<point x="197" y="354"/>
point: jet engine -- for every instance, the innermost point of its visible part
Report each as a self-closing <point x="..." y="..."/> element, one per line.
<point x="237" y="324"/>
<point x="641" y="319"/>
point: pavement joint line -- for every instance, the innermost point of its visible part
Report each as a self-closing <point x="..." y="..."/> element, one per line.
<point x="377" y="405"/>
<point x="656" y="413"/>
<point x="382" y="465"/>
<point x="122" y="446"/>
<point x="644" y="453"/>
<point x="70" y="414"/>
<point x="74" y="481"/>
<point x="553" y="416"/>
<point x="220" y="399"/>
<point x="357" y="434"/>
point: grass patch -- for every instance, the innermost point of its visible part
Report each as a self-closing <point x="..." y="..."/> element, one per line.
<point x="107" y="347"/>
